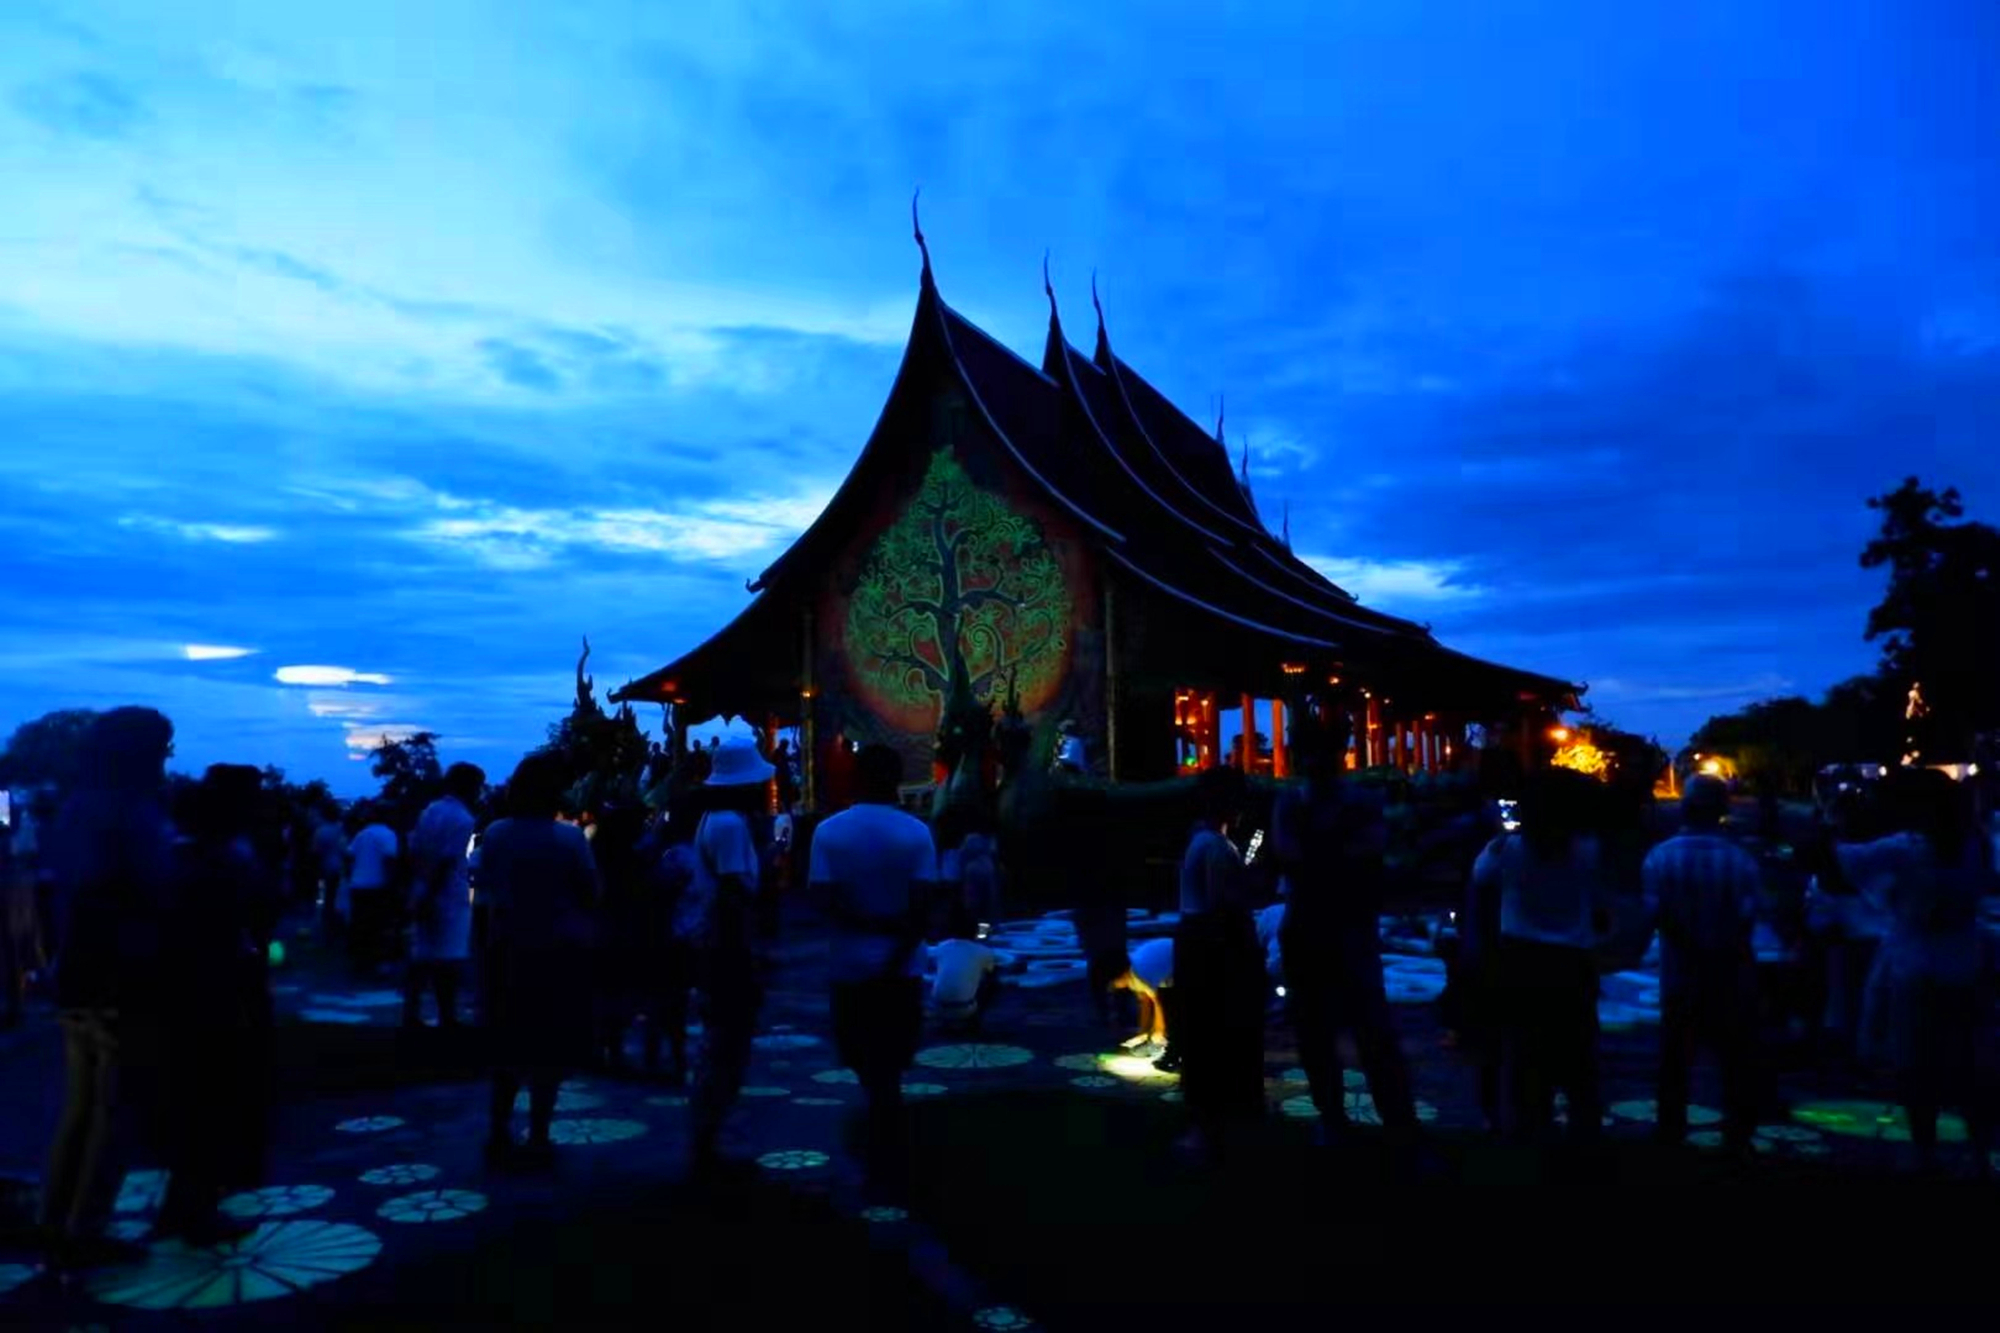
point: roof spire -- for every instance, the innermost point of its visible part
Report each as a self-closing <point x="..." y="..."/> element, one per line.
<point x="1243" y="469"/>
<point x="1221" y="411"/>
<point x="918" y="227"/>
<point x="1049" y="287"/>
<point x="1285" y="532"/>
<point x="1096" y="304"/>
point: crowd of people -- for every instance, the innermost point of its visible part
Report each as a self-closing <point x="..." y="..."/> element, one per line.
<point x="578" y="926"/>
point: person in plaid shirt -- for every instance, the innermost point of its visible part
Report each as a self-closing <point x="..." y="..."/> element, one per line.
<point x="1701" y="891"/>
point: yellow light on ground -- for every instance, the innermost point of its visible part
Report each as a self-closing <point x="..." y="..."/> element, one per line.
<point x="1132" y="1068"/>
<point x="1558" y="734"/>
<point x="1711" y="768"/>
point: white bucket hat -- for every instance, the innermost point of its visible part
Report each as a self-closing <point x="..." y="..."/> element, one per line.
<point x="736" y="763"/>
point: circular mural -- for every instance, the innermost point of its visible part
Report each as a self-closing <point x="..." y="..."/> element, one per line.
<point x="277" y="1259"/>
<point x="793" y="1159"/>
<point x="370" y="1124"/>
<point x="432" y="1206"/>
<point x="974" y="1055"/>
<point x="957" y="576"/>
<point x="405" y="1173"/>
<point x="141" y="1191"/>
<point x="276" y="1201"/>
<point x="595" y="1131"/>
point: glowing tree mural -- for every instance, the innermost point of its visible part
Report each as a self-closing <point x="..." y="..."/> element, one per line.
<point x="959" y="590"/>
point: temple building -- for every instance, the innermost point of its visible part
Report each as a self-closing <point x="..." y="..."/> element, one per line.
<point x="1062" y="533"/>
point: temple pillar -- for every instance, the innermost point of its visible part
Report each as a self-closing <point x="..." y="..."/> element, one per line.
<point x="770" y="751"/>
<point x="1246" y="755"/>
<point x="1372" y="751"/>
<point x="1280" y="759"/>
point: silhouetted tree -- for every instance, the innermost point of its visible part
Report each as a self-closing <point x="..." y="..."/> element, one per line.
<point x="45" y="750"/>
<point x="409" y="771"/>
<point x="1939" y="619"/>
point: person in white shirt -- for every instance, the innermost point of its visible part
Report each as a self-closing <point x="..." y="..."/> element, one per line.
<point x="874" y="874"/>
<point x="1150" y="978"/>
<point x="719" y="918"/>
<point x="965" y="978"/>
<point x="1548" y="882"/>
<point x="1218" y="971"/>
<point x="441" y="897"/>
<point x="373" y="860"/>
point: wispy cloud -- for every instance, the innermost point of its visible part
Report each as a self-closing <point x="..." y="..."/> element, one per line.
<point x="90" y="105"/>
<point x="327" y="675"/>
<point x="213" y="652"/>
<point x="234" y="534"/>
<point x="1396" y="582"/>
<point x="512" y="537"/>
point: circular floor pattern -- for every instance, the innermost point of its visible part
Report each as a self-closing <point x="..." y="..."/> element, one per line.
<point x="141" y="1191"/>
<point x="1172" y="1095"/>
<point x="1001" y="1317"/>
<point x="566" y="1101"/>
<point x="1788" y="1134"/>
<point x="668" y="1099"/>
<point x="793" y="1159"/>
<point x="1084" y="1062"/>
<point x="1872" y="1120"/>
<point x="1093" y="1081"/>
<point x="14" y="1275"/>
<point x="277" y="1259"/>
<point x="925" y="1089"/>
<point x="817" y="1101"/>
<point x="129" y="1228"/>
<point x="884" y="1213"/>
<point x="595" y="1131"/>
<point x="764" y="1090"/>
<point x="836" y="1076"/>
<point x="277" y="1201"/>
<point x="333" y="1016"/>
<point x="785" y="1041"/>
<point x="403" y="1173"/>
<point x="1647" y="1112"/>
<point x="432" y="1206"/>
<point x="1299" y="1108"/>
<point x="974" y="1055"/>
<point x="370" y="1124"/>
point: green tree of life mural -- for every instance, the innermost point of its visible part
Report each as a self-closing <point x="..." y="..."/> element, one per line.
<point x="958" y="583"/>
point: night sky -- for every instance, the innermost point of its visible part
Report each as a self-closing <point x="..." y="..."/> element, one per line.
<point x="412" y="341"/>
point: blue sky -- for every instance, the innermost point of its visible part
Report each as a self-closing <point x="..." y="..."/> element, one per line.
<point x="418" y="340"/>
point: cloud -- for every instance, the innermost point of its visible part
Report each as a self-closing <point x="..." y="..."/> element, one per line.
<point x="210" y="652"/>
<point x="233" y="534"/>
<point x="519" y="366"/>
<point x="1389" y="583"/>
<point x="327" y="675"/>
<point x="719" y="530"/>
<point x="89" y="105"/>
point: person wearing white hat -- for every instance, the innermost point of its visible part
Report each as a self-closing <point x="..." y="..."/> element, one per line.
<point x="718" y="918"/>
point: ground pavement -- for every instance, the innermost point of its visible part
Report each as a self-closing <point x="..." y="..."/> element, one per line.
<point x="1047" y="1187"/>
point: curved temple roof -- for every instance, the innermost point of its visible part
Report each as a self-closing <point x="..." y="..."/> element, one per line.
<point x="1152" y="489"/>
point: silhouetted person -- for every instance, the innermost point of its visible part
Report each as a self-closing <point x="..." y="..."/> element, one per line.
<point x="214" y="1008"/>
<point x="624" y="951"/>
<point x="1546" y="886"/>
<point x="1702" y="891"/>
<point x="1330" y="839"/>
<point x="374" y="859"/>
<point x="720" y="917"/>
<point x="1218" y="971"/>
<point x="874" y="873"/>
<point x="668" y="974"/>
<point x="111" y="862"/>
<point x="441" y="897"/>
<point x="540" y="882"/>
<point x="1928" y="998"/>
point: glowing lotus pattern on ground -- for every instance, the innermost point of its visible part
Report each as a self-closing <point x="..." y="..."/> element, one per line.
<point x="141" y="1191"/>
<point x="277" y="1259"/>
<point x="974" y="1055"/>
<point x="432" y="1206"/>
<point x="1871" y="1120"/>
<point x="403" y="1173"/>
<point x="1093" y="1081"/>
<point x="817" y="1101"/>
<point x="668" y="1099"/>
<point x="925" y="1089"/>
<point x="370" y="1124"/>
<point x="785" y="1041"/>
<point x="836" y="1076"/>
<point x="129" y="1228"/>
<point x="349" y="1016"/>
<point x="14" y="1275"/>
<point x="793" y="1159"/>
<point x="566" y="1101"/>
<point x="595" y="1131"/>
<point x="1299" y="1108"/>
<point x="1647" y="1111"/>
<point x="277" y="1201"/>
<point x="765" y="1090"/>
<point x="884" y="1213"/>
<point x="1001" y="1317"/>
<point x="1086" y="1062"/>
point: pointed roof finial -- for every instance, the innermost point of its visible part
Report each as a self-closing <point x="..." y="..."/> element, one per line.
<point x="1048" y="287"/>
<point x="1285" y="531"/>
<point x="918" y="227"/>
<point x="1221" y="411"/>
<point x="1096" y="304"/>
<point x="1244" y="467"/>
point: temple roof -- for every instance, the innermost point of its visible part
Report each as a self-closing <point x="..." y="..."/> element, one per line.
<point x="1151" y="489"/>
